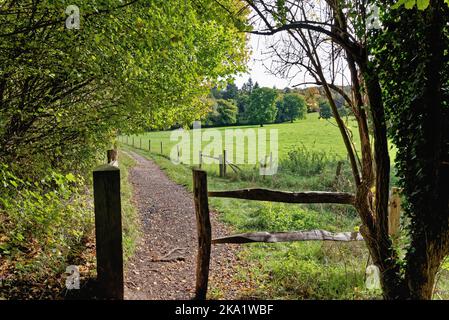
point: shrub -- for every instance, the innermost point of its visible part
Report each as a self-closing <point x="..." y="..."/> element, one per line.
<point x="224" y="113"/>
<point x="42" y="221"/>
<point x="325" y="109"/>
<point x="304" y="161"/>
<point x="283" y="217"/>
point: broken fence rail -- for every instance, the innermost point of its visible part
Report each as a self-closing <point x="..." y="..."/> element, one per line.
<point x="319" y="235"/>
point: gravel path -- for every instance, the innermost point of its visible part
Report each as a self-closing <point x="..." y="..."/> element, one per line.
<point x="168" y="226"/>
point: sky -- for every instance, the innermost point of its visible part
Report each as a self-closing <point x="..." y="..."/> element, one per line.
<point x="257" y="71"/>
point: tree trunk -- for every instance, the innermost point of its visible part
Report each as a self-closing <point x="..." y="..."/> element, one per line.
<point x="379" y="242"/>
<point x="429" y="200"/>
<point x="423" y="264"/>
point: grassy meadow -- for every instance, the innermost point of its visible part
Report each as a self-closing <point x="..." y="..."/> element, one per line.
<point x="315" y="133"/>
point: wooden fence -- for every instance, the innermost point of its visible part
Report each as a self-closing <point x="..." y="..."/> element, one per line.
<point x="223" y="162"/>
<point x="205" y="240"/>
<point x="139" y="146"/>
<point x="108" y="224"/>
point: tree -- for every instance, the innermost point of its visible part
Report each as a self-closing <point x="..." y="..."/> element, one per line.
<point x="312" y="95"/>
<point x="262" y="107"/>
<point x="338" y="35"/>
<point x="247" y="87"/>
<point x="216" y="93"/>
<point x="231" y="92"/>
<point x="325" y="109"/>
<point x="280" y="113"/>
<point x="224" y="113"/>
<point x="63" y="93"/>
<point x="414" y="73"/>
<point x="294" y="106"/>
<point x="242" y="105"/>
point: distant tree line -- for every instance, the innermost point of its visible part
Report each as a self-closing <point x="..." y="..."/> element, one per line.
<point x="252" y="104"/>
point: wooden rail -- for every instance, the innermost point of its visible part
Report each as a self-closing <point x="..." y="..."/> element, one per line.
<point x="204" y="228"/>
<point x="320" y="235"/>
<point x="288" y="197"/>
<point x="222" y="163"/>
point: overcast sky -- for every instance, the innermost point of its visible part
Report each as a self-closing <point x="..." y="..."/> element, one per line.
<point x="257" y="71"/>
<point x="259" y="62"/>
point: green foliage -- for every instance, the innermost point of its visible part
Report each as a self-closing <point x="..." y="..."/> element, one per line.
<point x="415" y="82"/>
<point x="130" y="217"/>
<point x="224" y="113"/>
<point x="325" y="109"/>
<point x="278" y="217"/>
<point x="308" y="271"/>
<point x="65" y="92"/>
<point x="281" y="10"/>
<point x="242" y="104"/>
<point x="409" y="4"/>
<point x="306" y="161"/>
<point x="262" y="107"/>
<point x="231" y="92"/>
<point x="290" y="107"/>
<point x="248" y="87"/>
<point x="42" y="221"/>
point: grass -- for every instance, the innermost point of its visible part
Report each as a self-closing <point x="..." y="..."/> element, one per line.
<point x="314" y="133"/>
<point x="318" y="134"/>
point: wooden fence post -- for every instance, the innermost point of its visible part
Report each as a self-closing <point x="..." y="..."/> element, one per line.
<point x="201" y="159"/>
<point x="338" y="173"/>
<point x="111" y="155"/>
<point x="394" y="212"/>
<point x="177" y="150"/>
<point x="204" y="232"/>
<point x="224" y="163"/>
<point x="108" y="231"/>
<point x="149" y="145"/>
<point x="265" y="165"/>
<point x="220" y="165"/>
<point x="161" y="148"/>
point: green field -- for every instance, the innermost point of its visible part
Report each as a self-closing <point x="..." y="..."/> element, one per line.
<point x="311" y="134"/>
<point x="316" y="134"/>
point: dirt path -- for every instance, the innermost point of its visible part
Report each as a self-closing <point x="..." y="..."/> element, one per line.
<point x="168" y="226"/>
